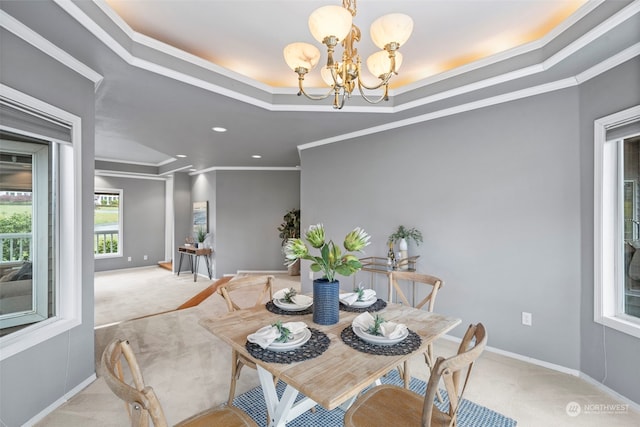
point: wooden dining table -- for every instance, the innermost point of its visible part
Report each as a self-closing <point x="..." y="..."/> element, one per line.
<point x="335" y="377"/>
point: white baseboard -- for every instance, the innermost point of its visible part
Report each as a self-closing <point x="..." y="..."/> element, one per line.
<point x="55" y="405"/>
<point x="260" y="272"/>
<point x="557" y="368"/>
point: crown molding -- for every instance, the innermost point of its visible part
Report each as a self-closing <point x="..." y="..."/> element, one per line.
<point x="548" y="63"/>
<point x="20" y="30"/>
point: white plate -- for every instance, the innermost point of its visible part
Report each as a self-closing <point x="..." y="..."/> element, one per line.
<point x="376" y="339"/>
<point x="280" y="303"/>
<point x="298" y="341"/>
<point x="365" y="303"/>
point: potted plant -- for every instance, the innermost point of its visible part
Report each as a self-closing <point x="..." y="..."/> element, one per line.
<point x="290" y="229"/>
<point x="201" y="236"/>
<point x="330" y="261"/>
<point x="401" y="236"/>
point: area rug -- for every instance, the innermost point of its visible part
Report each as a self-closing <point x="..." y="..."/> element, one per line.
<point x="469" y="414"/>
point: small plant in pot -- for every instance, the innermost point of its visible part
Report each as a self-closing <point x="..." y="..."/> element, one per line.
<point x="290" y="229"/>
<point x="401" y="236"/>
<point x="201" y="236"/>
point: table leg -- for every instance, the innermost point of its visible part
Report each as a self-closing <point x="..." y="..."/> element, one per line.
<point x="180" y="264"/>
<point x="206" y="258"/>
<point x="195" y="271"/>
<point x="282" y="410"/>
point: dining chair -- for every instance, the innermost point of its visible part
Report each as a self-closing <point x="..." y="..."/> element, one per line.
<point x="433" y="285"/>
<point x="244" y="288"/>
<point x="141" y="401"/>
<point x="386" y="404"/>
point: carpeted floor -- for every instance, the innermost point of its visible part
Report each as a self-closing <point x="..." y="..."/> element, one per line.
<point x="141" y="292"/>
<point x="469" y="414"/>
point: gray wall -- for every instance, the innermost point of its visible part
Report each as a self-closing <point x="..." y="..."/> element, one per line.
<point x="143" y="222"/>
<point x="35" y="378"/>
<point x="203" y="189"/>
<point x="616" y="362"/>
<point x="249" y="208"/>
<point x="503" y="197"/>
<point x="182" y="214"/>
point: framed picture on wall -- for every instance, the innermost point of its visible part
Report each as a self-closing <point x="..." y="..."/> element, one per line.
<point x="200" y="217"/>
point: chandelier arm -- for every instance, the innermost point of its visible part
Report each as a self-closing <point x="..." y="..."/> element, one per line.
<point x="383" y="97"/>
<point x="301" y="91"/>
<point x="384" y="82"/>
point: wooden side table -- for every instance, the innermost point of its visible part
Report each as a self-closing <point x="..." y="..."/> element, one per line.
<point x="194" y="254"/>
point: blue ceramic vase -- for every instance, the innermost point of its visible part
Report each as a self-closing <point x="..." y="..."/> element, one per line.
<point x="326" y="302"/>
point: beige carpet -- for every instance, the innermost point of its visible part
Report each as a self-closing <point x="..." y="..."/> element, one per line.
<point x="189" y="369"/>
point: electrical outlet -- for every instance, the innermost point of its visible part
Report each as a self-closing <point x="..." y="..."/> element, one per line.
<point x="145" y="257"/>
<point x="129" y="259"/>
<point x="310" y="275"/>
<point x="526" y="318"/>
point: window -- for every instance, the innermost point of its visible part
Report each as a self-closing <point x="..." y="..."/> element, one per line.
<point x="617" y="221"/>
<point x="107" y="221"/>
<point x="46" y="140"/>
<point x="26" y="294"/>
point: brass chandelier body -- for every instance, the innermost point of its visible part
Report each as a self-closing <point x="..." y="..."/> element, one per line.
<point x="342" y="77"/>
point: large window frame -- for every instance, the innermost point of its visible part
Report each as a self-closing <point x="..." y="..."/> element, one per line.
<point x="39" y="251"/>
<point x="609" y="263"/>
<point x="68" y="204"/>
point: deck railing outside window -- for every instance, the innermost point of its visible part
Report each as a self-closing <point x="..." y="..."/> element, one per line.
<point x="105" y="242"/>
<point x="15" y="247"/>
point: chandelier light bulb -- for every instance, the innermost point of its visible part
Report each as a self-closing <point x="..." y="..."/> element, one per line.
<point x="379" y="63"/>
<point x="301" y="55"/>
<point x="394" y="27"/>
<point x="325" y="73"/>
<point x="330" y="21"/>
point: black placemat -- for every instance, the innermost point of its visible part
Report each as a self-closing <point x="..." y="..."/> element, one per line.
<point x="408" y="345"/>
<point x="376" y="306"/>
<point x="277" y="310"/>
<point x="317" y="344"/>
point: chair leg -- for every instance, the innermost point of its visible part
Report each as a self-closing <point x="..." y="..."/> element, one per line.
<point x="236" y="367"/>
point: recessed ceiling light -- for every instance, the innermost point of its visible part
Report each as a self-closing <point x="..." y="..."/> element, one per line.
<point x="181" y="155"/>
<point x="256" y="156"/>
<point x="218" y="129"/>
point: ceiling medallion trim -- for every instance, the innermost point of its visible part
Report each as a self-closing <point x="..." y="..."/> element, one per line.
<point x="591" y="35"/>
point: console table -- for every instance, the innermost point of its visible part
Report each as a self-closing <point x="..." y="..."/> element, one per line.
<point x="194" y="255"/>
<point x="378" y="265"/>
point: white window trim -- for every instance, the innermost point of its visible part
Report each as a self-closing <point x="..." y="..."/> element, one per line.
<point x="608" y="249"/>
<point x="118" y="254"/>
<point x="68" y="250"/>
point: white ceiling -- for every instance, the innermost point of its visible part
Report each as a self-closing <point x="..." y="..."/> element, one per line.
<point x="159" y="98"/>
<point x="247" y="36"/>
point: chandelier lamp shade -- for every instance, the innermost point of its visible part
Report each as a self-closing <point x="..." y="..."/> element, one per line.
<point x="333" y="25"/>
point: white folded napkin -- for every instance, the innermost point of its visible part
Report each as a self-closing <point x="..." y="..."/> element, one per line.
<point x="298" y="299"/>
<point x="393" y="330"/>
<point x="389" y="330"/>
<point x="351" y="297"/>
<point x="266" y="335"/>
<point x="364" y="321"/>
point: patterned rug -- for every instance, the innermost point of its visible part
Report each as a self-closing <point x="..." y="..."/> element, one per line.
<point x="469" y="414"/>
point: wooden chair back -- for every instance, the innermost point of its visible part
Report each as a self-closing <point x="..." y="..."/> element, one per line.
<point x="424" y="279"/>
<point x="454" y="371"/>
<point x="261" y="285"/>
<point x="121" y="368"/>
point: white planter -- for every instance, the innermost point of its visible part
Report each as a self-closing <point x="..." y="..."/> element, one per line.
<point x="403" y="245"/>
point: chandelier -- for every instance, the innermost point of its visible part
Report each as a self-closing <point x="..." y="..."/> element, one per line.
<point x="331" y="25"/>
